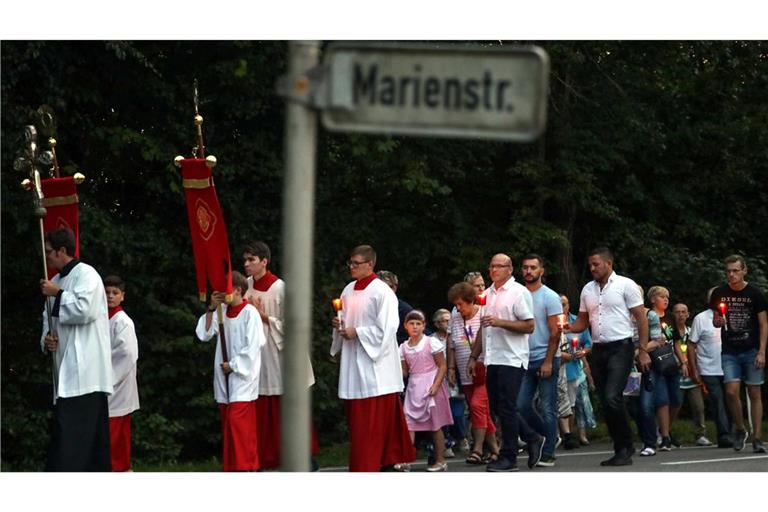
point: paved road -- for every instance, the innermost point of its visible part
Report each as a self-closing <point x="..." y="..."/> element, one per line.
<point x="587" y="458"/>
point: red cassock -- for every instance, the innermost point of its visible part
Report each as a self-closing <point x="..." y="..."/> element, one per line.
<point x="239" y="438"/>
<point x="60" y="201"/>
<point x="210" y="244"/>
<point x="120" y="442"/>
<point x="378" y="433"/>
<point x="268" y="427"/>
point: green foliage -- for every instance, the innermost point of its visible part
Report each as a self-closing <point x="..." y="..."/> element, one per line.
<point x="659" y="149"/>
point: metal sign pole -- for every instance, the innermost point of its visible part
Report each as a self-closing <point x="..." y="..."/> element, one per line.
<point x="298" y="232"/>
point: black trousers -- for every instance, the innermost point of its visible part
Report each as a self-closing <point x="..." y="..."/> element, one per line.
<point x="503" y="383"/>
<point x="80" y="434"/>
<point x="611" y="364"/>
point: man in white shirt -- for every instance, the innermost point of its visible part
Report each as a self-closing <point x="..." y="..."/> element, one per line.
<point x="608" y="304"/>
<point x="370" y="375"/>
<point x="79" y="339"/>
<point x="707" y="370"/>
<point x="506" y="323"/>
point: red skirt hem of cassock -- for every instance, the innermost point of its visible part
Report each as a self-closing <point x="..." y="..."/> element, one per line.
<point x="268" y="427"/>
<point x="378" y="433"/>
<point x="120" y="442"/>
<point x="238" y="436"/>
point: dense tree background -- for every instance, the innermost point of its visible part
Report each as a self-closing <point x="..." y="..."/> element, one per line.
<point x="659" y="149"/>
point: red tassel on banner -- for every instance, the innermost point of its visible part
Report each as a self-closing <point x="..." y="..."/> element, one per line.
<point x="61" y="202"/>
<point x="210" y="243"/>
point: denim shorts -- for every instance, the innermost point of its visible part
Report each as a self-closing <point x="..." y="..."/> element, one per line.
<point x="741" y="366"/>
<point x="666" y="389"/>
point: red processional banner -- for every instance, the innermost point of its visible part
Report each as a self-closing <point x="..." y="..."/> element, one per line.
<point x="210" y="243"/>
<point x="60" y="201"/>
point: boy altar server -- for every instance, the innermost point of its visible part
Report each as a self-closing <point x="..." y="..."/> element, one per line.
<point x="244" y="335"/>
<point x="125" y="353"/>
<point x="266" y="292"/>
<point x="371" y="377"/>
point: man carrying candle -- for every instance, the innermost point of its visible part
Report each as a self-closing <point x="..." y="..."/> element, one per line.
<point x="744" y="330"/>
<point x="370" y="376"/>
<point x="707" y="370"/>
<point x="266" y="292"/>
<point x="507" y="321"/>
<point x="543" y="359"/>
<point x="607" y="304"/>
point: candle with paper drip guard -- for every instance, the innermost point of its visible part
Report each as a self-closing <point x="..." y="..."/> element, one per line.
<point x="574" y="345"/>
<point x="338" y="305"/>
<point x="723" y="309"/>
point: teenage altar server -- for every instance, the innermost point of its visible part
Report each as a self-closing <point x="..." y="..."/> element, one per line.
<point x="266" y="292"/>
<point x="236" y="381"/>
<point x="371" y="377"/>
<point x="79" y="341"/>
<point x="125" y="353"/>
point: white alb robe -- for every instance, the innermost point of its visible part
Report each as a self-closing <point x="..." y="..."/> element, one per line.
<point x="273" y="300"/>
<point x="125" y="353"/>
<point x="245" y="339"/>
<point x="370" y="362"/>
<point x="82" y="360"/>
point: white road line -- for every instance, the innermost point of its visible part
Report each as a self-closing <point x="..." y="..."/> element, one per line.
<point x="712" y="460"/>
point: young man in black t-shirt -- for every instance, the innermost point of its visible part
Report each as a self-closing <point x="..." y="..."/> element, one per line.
<point x="744" y="331"/>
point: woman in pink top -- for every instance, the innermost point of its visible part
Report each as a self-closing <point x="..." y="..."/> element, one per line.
<point x="426" y="406"/>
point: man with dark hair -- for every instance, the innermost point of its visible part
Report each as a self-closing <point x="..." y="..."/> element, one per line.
<point x="370" y="375"/>
<point x="79" y="339"/>
<point x="744" y="332"/>
<point x="266" y="292"/>
<point x="543" y="358"/>
<point x="607" y="304"/>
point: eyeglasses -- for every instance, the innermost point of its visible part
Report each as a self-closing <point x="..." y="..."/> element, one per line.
<point x="355" y="264"/>
<point x="492" y="267"/>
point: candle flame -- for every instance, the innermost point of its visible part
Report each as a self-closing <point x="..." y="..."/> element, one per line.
<point x="480" y="299"/>
<point x="722" y="307"/>
<point x="575" y="342"/>
<point x="338" y="305"/>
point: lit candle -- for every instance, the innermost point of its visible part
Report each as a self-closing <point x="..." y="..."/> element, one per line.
<point x="561" y="320"/>
<point x="683" y="348"/>
<point x="723" y="308"/>
<point x="574" y="344"/>
<point x="338" y="305"/>
<point x="480" y="299"/>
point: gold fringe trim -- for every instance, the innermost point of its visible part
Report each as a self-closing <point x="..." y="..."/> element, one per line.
<point x="60" y="201"/>
<point x="202" y="183"/>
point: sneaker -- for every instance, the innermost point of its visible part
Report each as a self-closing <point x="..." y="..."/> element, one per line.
<point x="449" y="453"/>
<point x="546" y="462"/>
<point x="724" y="442"/>
<point x="620" y="459"/>
<point x="674" y="441"/>
<point x="648" y="451"/>
<point x="558" y="442"/>
<point x="758" y="446"/>
<point x="739" y="440"/>
<point x="703" y="441"/>
<point x="535" y="449"/>
<point x="666" y="444"/>
<point x="502" y="464"/>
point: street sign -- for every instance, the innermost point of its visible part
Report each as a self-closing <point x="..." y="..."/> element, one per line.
<point x="436" y="89"/>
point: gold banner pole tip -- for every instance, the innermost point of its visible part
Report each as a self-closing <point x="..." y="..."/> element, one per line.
<point x="79" y="178"/>
<point x="177" y="161"/>
<point x="210" y="161"/>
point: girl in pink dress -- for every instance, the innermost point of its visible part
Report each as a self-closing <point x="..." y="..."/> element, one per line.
<point x="426" y="406"/>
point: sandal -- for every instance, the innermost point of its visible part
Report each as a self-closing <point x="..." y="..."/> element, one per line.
<point x="438" y="467"/>
<point x="490" y="457"/>
<point x="475" y="458"/>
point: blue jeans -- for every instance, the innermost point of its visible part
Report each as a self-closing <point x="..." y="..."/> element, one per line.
<point x="611" y="364"/>
<point x="503" y="383"/>
<point x="646" y="421"/>
<point x="716" y="405"/>
<point x="546" y="422"/>
<point x="741" y="366"/>
<point x="459" y="428"/>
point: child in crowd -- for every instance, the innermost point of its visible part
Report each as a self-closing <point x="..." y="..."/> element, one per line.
<point x="125" y="352"/>
<point x="426" y="404"/>
<point x="236" y="381"/>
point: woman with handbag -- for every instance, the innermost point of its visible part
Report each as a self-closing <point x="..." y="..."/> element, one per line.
<point x="665" y="358"/>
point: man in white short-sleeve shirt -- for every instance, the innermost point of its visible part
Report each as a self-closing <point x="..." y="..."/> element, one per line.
<point x="706" y="368"/>
<point x="607" y="304"/>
